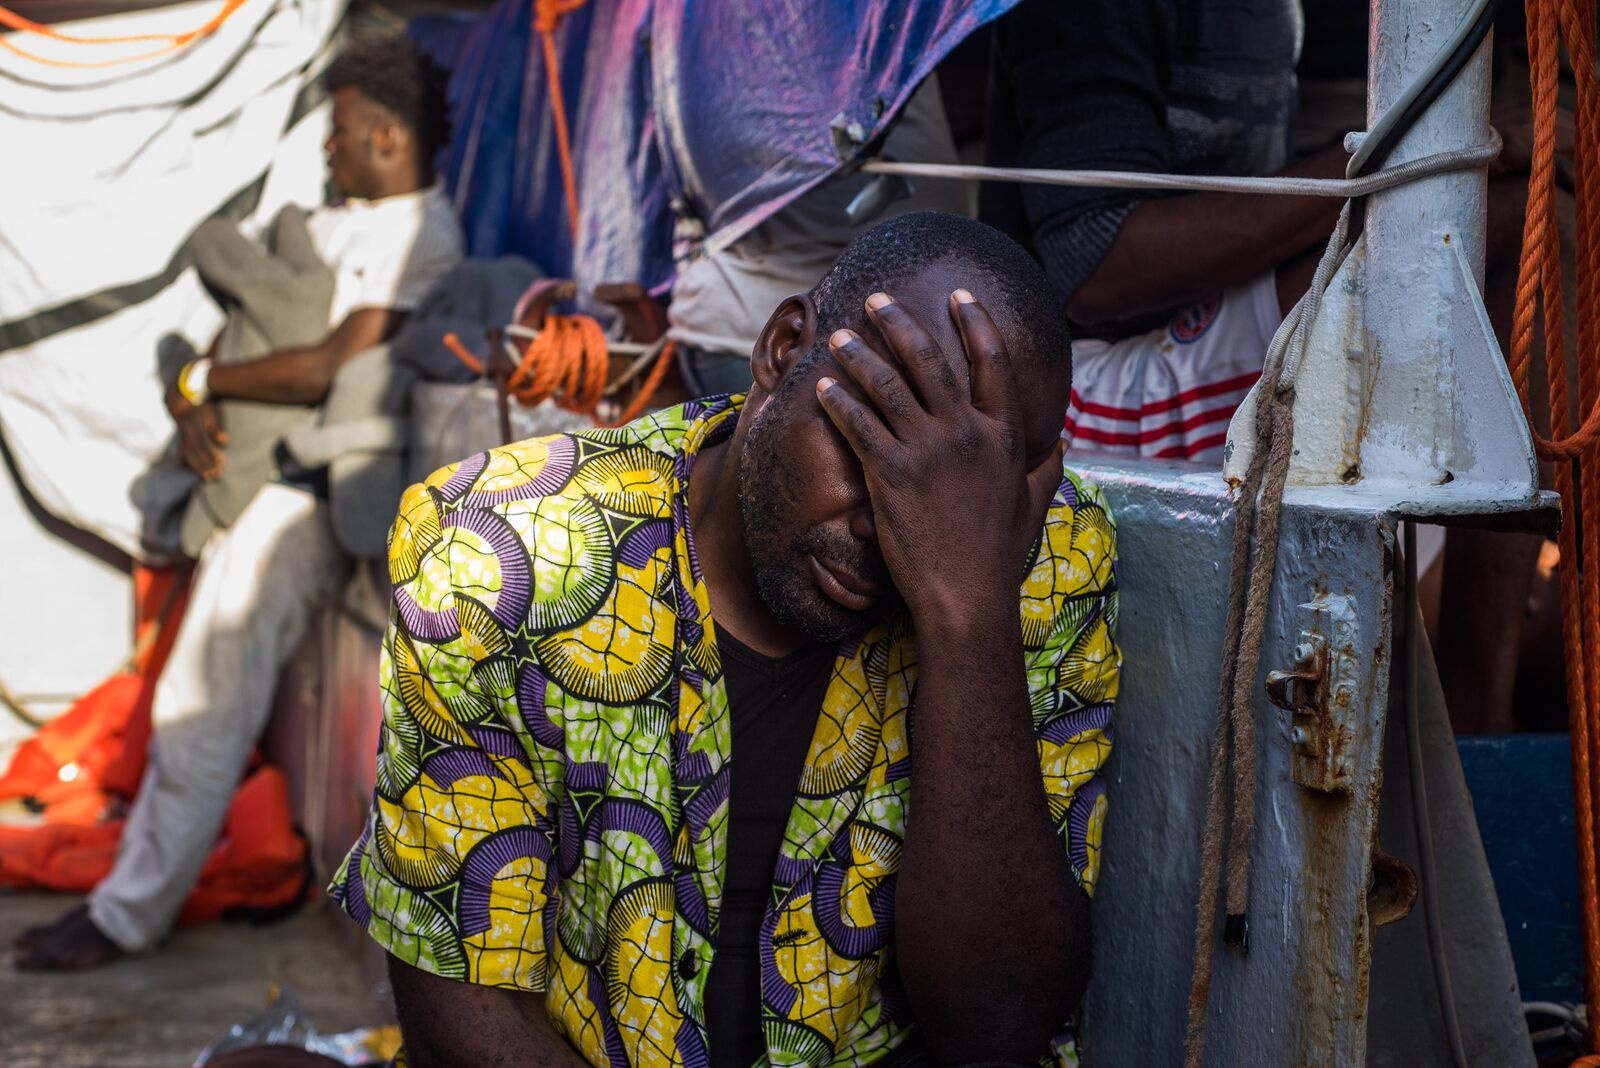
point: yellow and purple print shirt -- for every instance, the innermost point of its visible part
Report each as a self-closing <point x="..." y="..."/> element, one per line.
<point x="551" y="807"/>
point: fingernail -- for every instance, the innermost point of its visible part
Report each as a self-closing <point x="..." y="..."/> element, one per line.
<point x="824" y="384"/>
<point x="962" y="296"/>
<point x="840" y="338"/>
<point x="878" y="301"/>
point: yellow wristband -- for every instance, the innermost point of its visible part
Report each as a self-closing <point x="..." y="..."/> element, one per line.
<point x="192" y="381"/>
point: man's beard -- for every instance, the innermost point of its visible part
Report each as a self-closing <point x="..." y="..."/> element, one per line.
<point x="768" y="482"/>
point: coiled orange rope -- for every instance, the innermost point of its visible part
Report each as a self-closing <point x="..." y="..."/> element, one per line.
<point x="1575" y="452"/>
<point x="567" y="362"/>
<point x="171" y="41"/>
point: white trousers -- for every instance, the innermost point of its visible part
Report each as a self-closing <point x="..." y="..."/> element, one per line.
<point x="259" y="585"/>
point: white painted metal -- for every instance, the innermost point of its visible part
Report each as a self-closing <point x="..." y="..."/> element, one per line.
<point x="1404" y="390"/>
<point x="1403" y="407"/>
<point x="1299" y="996"/>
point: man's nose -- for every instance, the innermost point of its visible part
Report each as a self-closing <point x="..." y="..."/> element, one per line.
<point x="862" y="524"/>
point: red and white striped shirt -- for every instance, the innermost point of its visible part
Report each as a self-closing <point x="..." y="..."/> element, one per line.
<point x="1169" y="393"/>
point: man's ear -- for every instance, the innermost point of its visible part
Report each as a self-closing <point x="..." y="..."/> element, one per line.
<point x="784" y="340"/>
<point x="389" y="139"/>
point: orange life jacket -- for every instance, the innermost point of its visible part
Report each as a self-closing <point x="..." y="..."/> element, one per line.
<point x="70" y="784"/>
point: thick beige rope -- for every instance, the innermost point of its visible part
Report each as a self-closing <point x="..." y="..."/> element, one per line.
<point x="1233" y="756"/>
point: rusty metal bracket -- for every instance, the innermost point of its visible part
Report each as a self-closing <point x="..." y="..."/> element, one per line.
<point x="1319" y="692"/>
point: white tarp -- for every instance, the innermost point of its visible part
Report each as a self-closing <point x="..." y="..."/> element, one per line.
<point x="104" y="173"/>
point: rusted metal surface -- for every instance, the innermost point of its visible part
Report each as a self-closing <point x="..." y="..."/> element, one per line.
<point x="1299" y="996"/>
<point x="1319" y="692"/>
<point x="1321" y="886"/>
<point x="1393" y="892"/>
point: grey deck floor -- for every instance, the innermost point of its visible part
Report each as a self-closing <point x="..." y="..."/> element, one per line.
<point x="159" y="1011"/>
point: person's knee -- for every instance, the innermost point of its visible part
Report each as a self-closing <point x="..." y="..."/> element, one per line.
<point x="276" y="566"/>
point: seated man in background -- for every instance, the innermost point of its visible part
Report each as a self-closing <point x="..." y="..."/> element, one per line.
<point x="565" y="861"/>
<point x="262" y="579"/>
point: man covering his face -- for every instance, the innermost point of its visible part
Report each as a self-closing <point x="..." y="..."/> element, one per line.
<point x="647" y="789"/>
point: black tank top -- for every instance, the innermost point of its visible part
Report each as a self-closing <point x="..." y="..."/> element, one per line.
<point x="773" y="705"/>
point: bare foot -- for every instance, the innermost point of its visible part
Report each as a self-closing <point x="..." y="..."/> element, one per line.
<point x="71" y="943"/>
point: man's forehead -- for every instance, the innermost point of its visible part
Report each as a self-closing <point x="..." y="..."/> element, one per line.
<point x="926" y="295"/>
<point x="350" y="102"/>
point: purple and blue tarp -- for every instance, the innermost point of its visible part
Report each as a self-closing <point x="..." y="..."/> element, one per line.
<point x="709" y="115"/>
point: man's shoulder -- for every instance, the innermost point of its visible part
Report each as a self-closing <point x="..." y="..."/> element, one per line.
<point x="1076" y="558"/>
<point x="405" y="220"/>
<point x="591" y="464"/>
<point x="1069" y="597"/>
<point x="564" y="501"/>
<point x="1079" y="493"/>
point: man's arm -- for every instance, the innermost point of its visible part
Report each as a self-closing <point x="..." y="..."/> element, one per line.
<point x="303" y="376"/>
<point x="986" y="982"/>
<point x="1088" y="83"/>
<point x="1175" y="250"/>
<point x="979" y="834"/>
<point x="290" y="376"/>
<point x="447" y="1024"/>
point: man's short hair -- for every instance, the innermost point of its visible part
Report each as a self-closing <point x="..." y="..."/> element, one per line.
<point x="391" y="71"/>
<point x="1018" y="295"/>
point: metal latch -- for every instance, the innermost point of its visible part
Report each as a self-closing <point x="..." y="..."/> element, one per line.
<point x="1318" y="691"/>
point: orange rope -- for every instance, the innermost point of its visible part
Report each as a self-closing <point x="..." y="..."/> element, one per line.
<point x="547" y="16"/>
<point x="648" y="388"/>
<point x="171" y="41"/>
<point x="1574" y="452"/>
<point x="567" y="362"/>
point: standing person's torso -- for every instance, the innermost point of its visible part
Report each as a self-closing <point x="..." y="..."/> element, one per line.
<point x="1161" y="86"/>
<point x="1231" y="86"/>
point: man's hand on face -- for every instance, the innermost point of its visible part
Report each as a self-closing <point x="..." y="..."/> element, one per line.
<point x="941" y="443"/>
<point x="200" y="434"/>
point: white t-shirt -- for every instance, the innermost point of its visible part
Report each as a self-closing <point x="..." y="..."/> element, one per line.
<point x="386" y="253"/>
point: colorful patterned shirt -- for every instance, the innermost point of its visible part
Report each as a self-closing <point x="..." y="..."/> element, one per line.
<point x="551" y="808"/>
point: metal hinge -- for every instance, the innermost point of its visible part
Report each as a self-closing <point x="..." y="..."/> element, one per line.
<point x="1319" y="693"/>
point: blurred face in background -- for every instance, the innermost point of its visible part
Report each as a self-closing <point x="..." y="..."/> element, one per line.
<point x="362" y="144"/>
